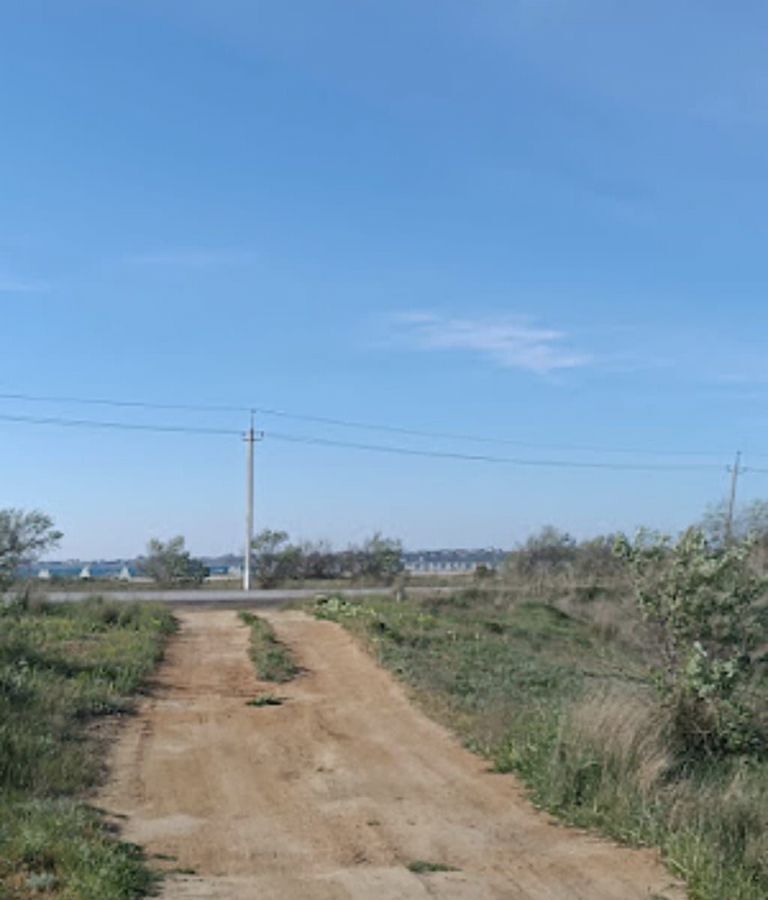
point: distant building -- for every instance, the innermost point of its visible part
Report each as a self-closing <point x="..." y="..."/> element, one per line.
<point x="448" y="562"/>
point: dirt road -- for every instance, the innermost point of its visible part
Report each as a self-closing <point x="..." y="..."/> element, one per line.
<point x="333" y="794"/>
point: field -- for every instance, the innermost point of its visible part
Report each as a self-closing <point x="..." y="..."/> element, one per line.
<point x="548" y="677"/>
<point x="561" y="696"/>
<point x="62" y="670"/>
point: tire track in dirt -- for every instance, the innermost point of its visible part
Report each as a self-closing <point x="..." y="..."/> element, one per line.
<point x="331" y="795"/>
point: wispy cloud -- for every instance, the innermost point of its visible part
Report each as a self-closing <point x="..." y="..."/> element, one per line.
<point x="193" y="258"/>
<point x="511" y="342"/>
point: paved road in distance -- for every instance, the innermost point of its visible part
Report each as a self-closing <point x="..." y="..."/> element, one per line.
<point x="207" y="597"/>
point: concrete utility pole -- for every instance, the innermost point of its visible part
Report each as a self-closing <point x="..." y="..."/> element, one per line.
<point x="250" y="438"/>
<point x="735" y="471"/>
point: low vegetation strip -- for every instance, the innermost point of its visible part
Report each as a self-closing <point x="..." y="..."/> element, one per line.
<point x="272" y="659"/>
<point x="568" y="705"/>
<point x="62" y="667"/>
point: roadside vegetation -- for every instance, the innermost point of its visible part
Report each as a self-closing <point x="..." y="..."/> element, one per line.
<point x="63" y="668"/>
<point x="623" y="681"/>
<point x="378" y="560"/>
<point x="272" y="659"/>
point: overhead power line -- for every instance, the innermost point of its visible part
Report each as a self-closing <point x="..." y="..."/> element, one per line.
<point x="126" y="426"/>
<point x="475" y="438"/>
<point x="352" y="424"/>
<point x="352" y="445"/>
<point x="515" y="461"/>
<point x="135" y="404"/>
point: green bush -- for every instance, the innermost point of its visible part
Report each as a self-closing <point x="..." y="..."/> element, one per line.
<point x="703" y="605"/>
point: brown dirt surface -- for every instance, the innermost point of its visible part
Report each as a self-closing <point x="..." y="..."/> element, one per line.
<point x="332" y="794"/>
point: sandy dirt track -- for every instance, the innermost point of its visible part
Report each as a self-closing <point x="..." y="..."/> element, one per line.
<point x="332" y="794"/>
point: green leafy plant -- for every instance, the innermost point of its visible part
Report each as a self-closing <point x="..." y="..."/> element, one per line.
<point x="702" y="603"/>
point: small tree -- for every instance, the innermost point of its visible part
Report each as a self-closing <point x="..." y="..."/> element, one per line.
<point x="23" y="537"/>
<point x="381" y="558"/>
<point x="595" y="559"/>
<point x="170" y="564"/>
<point x="274" y="558"/>
<point x="702" y="603"/>
<point x="546" y="553"/>
<point x="319" y="561"/>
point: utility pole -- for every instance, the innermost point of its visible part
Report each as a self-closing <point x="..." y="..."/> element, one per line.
<point x="735" y="471"/>
<point x="250" y="438"/>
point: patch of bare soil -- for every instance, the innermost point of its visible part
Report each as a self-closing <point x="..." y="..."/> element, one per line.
<point x="334" y="793"/>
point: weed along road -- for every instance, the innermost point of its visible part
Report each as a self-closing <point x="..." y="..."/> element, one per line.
<point x="343" y="790"/>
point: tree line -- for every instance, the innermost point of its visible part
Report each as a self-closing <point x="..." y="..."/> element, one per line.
<point x="275" y="558"/>
<point x="26" y="536"/>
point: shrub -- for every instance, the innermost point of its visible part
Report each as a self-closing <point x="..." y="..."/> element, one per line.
<point x="702" y="604"/>
<point x="170" y="564"/>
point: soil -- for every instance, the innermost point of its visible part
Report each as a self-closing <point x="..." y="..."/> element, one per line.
<point x="337" y="791"/>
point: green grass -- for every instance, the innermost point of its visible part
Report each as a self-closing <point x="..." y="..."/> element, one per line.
<point x="566" y="705"/>
<point x="266" y="700"/>
<point x="61" y="668"/>
<point x="422" y="867"/>
<point x="272" y="659"/>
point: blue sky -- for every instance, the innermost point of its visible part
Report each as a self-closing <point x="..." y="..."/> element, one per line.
<point x="542" y="221"/>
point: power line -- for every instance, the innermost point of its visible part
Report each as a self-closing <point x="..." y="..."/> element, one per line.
<point x="481" y="439"/>
<point x="349" y="423"/>
<point x="136" y="404"/>
<point x="129" y="426"/>
<point x="352" y="445"/>
<point x="516" y="461"/>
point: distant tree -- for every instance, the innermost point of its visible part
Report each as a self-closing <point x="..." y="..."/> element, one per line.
<point x="23" y="537"/>
<point x="319" y="561"/>
<point x="274" y="558"/>
<point x="380" y="558"/>
<point x="169" y="563"/>
<point x="547" y="552"/>
<point x="750" y="521"/>
<point x="595" y="559"/>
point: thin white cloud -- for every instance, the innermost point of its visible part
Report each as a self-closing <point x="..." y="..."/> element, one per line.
<point x="509" y="341"/>
<point x="193" y="258"/>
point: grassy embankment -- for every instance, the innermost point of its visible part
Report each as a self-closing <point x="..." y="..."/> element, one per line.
<point x="272" y="659"/>
<point x="565" y="703"/>
<point x="61" y="669"/>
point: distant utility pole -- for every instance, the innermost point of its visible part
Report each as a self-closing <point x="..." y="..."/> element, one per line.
<point x="250" y="438"/>
<point x="735" y="471"/>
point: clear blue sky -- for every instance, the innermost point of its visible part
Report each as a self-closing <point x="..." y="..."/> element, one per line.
<point x="543" y="220"/>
